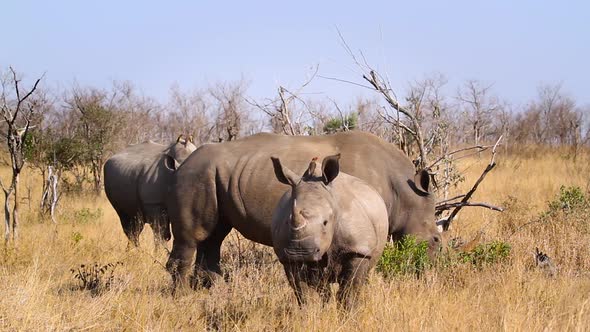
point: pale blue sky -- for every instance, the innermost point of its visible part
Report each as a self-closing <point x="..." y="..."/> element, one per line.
<point x="514" y="44"/>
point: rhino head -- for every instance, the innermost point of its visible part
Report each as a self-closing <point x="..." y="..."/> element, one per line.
<point x="313" y="212"/>
<point x="178" y="152"/>
<point x="416" y="211"/>
<point x="174" y="155"/>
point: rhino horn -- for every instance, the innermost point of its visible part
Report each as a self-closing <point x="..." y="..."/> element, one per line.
<point x="298" y="221"/>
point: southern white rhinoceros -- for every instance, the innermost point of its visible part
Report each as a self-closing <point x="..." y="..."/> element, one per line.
<point x="136" y="181"/>
<point x="230" y="185"/>
<point x="329" y="227"/>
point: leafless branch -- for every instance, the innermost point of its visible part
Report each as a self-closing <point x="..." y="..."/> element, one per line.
<point x="448" y="206"/>
<point x="450" y="199"/>
<point x="479" y="148"/>
<point x="284" y="110"/>
<point x="345" y="81"/>
<point x="470" y="193"/>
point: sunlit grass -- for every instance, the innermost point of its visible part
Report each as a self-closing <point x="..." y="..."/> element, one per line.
<point x="39" y="292"/>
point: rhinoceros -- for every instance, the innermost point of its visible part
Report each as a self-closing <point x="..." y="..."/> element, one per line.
<point x="136" y="181"/>
<point x="329" y="227"/>
<point x="229" y="185"/>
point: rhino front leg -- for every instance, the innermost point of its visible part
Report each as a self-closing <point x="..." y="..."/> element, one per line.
<point x="353" y="275"/>
<point x="293" y="273"/>
<point x="179" y="263"/>
<point x="320" y="281"/>
<point x="209" y="255"/>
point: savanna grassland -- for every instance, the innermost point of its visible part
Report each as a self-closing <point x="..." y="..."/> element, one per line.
<point x="38" y="290"/>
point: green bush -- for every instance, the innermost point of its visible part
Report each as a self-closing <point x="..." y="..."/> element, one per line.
<point x="406" y="256"/>
<point x="76" y="237"/>
<point x="569" y="199"/>
<point x="410" y="257"/>
<point x="486" y="253"/>
<point x="348" y="122"/>
<point x="571" y="206"/>
<point x="86" y="215"/>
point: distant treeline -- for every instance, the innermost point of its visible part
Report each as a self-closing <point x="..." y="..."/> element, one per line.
<point x="80" y="127"/>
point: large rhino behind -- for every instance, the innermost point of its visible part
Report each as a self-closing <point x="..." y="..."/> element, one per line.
<point x="231" y="185"/>
<point x="136" y="181"/>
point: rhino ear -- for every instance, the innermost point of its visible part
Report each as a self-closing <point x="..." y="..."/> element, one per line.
<point x="331" y="168"/>
<point x="169" y="162"/>
<point x="283" y="174"/>
<point x="422" y="181"/>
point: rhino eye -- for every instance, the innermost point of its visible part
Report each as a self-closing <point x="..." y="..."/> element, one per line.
<point x="325" y="222"/>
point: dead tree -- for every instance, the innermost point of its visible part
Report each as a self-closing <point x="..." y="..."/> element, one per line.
<point x="50" y="195"/>
<point x="231" y="113"/>
<point x="283" y="118"/>
<point x="17" y="110"/>
<point x="460" y="201"/>
<point x="408" y="122"/>
<point x="480" y="108"/>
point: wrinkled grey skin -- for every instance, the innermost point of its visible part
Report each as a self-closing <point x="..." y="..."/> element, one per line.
<point x="230" y="185"/>
<point x="136" y="181"/>
<point x="330" y="227"/>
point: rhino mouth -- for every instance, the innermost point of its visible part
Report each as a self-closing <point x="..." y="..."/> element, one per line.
<point x="302" y="254"/>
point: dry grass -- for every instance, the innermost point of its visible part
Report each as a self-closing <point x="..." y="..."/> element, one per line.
<point x="39" y="292"/>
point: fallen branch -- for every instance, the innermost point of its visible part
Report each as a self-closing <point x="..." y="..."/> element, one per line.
<point x="446" y="222"/>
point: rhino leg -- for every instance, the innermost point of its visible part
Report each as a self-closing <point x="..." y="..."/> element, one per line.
<point x="132" y="226"/>
<point x="161" y="229"/>
<point x="320" y="282"/>
<point x="179" y="263"/>
<point x="209" y="255"/>
<point x="158" y="220"/>
<point x="293" y="273"/>
<point x="353" y="275"/>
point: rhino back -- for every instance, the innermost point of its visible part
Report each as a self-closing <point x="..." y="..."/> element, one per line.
<point x="124" y="171"/>
<point x="246" y="191"/>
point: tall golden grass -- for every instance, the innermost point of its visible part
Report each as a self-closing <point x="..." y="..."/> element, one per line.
<point x="39" y="292"/>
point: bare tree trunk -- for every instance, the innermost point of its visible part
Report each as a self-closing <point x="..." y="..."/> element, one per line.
<point x="53" y="178"/>
<point x="96" y="173"/>
<point x="44" y="189"/>
<point x="15" y="217"/>
<point x="14" y="113"/>
<point x="7" y="215"/>
<point x="50" y="194"/>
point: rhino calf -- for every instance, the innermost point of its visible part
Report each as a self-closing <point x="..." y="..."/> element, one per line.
<point x="330" y="227"/>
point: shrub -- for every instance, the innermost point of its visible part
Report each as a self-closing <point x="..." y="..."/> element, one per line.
<point x="95" y="278"/>
<point x="76" y="237"/>
<point x="407" y="256"/>
<point x="569" y="199"/>
<point x="486" y="253"/>
<point x="348" y="122"/>
<point x="86" y="215"/>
